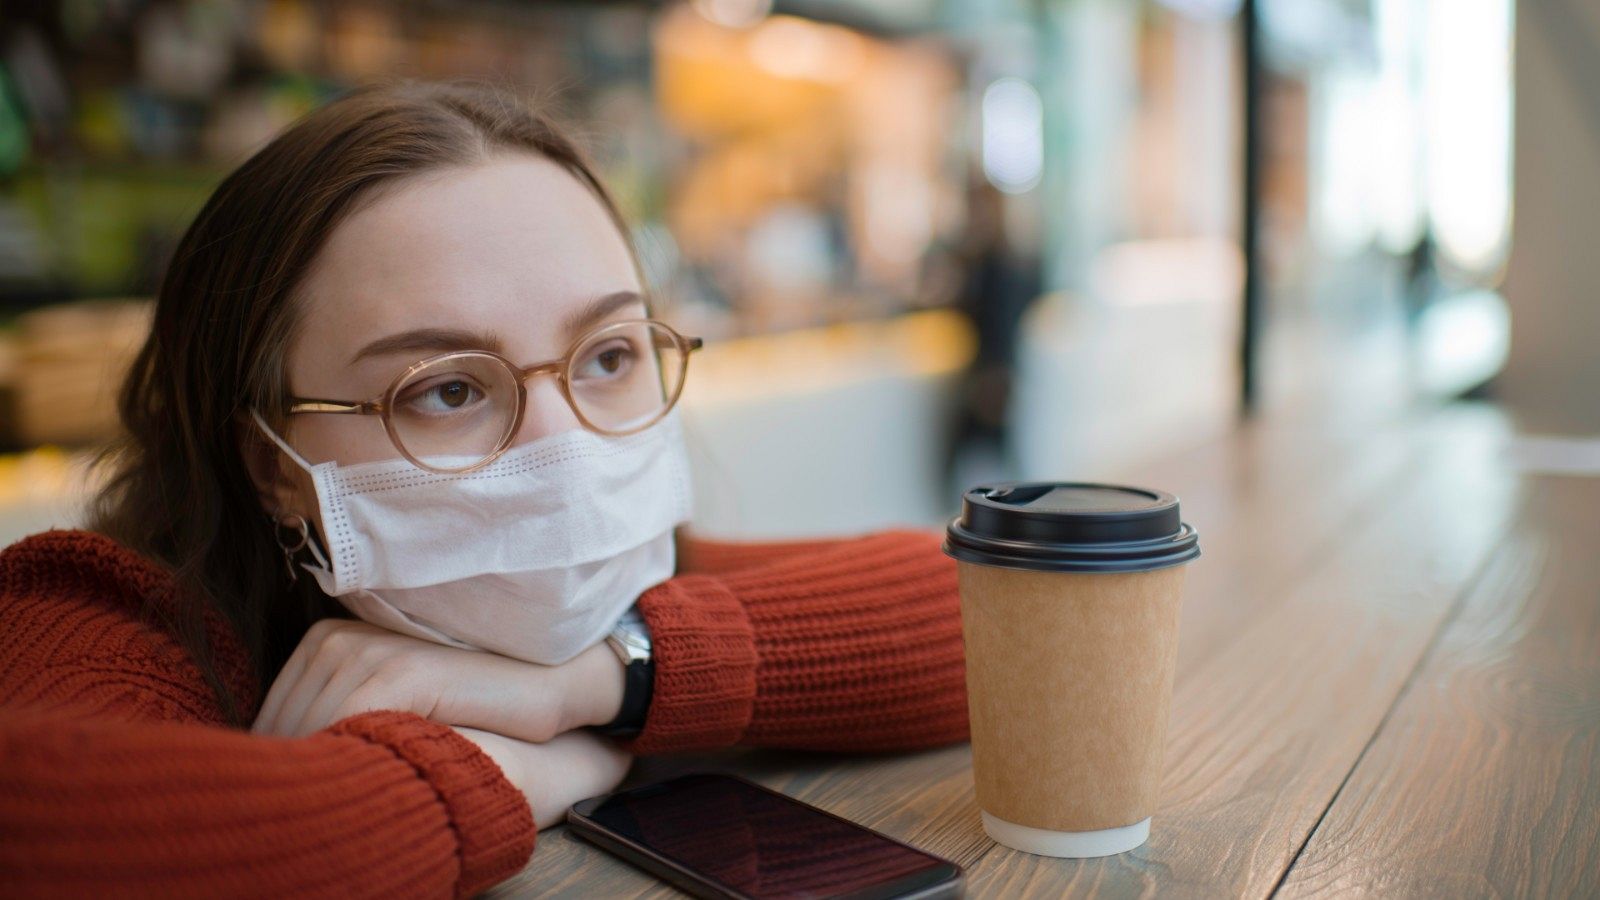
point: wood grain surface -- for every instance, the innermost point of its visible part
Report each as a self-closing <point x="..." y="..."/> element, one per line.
<point x="1324" y="735"/>
<point x="1483" y="781"/>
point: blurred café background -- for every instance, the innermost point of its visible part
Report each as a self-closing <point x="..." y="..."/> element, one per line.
<point x="929" y="242"/>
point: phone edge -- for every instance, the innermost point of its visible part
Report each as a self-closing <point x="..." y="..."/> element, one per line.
<point x="585" y="829"/>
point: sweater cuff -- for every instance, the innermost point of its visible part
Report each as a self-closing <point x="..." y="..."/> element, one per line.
<point x="493" y="823"/>
<point x="704" y="657"/>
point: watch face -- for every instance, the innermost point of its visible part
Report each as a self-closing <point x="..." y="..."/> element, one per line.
<point x="633" y="621"/>
<point x="633" y="639"/>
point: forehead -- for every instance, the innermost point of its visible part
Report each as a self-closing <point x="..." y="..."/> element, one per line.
<point x="505" y="246"/>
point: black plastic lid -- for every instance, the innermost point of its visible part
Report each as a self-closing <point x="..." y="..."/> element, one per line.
<point x="1058" y="526"/>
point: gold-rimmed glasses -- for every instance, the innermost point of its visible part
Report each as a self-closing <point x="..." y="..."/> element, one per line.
<point x="463" y="408"/>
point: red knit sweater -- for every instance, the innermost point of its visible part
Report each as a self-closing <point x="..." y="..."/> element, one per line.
<point x="118" y="776"/>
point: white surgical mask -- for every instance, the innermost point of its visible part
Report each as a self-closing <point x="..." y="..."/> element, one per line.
<point x="534" y="556"/>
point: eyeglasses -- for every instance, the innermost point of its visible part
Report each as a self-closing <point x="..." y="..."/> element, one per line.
<point x="462" y="409"/>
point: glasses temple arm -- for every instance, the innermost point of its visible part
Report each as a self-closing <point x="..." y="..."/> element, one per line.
<point x="310" y="405"/>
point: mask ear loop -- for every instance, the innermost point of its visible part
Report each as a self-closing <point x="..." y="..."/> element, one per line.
<point x="282" y="444"/>
<point x="294" y="522"/>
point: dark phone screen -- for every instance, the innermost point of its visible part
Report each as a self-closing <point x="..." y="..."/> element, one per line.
<point x="765" y="845"/>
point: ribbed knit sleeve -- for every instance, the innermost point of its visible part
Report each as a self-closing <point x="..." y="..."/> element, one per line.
<point x="384" y="804"/>
<point x="116" y="778"/>
<point x="850" y="644"/>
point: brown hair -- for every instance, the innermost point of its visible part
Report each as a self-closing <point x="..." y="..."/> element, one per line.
<point x="179" y="490"/>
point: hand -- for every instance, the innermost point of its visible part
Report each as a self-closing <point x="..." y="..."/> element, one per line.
<point x="343" y="667"/>
<point x="558" y="773"/>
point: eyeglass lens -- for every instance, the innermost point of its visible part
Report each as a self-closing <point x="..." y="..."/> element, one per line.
<point x="460" y="409"/>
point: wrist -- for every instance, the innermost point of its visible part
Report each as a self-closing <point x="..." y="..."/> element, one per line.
<point x="599" y="688"/>
<point x="630" y="641"/>
<point x="500" y="749"/>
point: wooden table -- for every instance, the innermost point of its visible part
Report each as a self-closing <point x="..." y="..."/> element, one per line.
<point x="1388" y="683"/>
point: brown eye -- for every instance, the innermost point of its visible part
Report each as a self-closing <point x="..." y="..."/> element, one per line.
<point x="441" y="396"/>
<point x="454" y="394"/>
<point x="607" y="362"/>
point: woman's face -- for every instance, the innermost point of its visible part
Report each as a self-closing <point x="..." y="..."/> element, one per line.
<point x="514" y="255"/>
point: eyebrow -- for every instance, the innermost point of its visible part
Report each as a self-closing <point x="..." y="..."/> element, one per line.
<point x="579" y="320"/>
<point x="443" y="340"/>
<point x="439" y="339"/>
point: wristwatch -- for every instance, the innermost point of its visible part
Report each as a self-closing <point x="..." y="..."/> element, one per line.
<point x="630" y="639"/>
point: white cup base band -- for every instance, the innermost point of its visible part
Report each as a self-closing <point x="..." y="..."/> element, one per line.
<point x="1072" y="844"/>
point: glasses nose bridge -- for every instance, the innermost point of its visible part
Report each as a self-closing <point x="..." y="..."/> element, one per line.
<point x="552" y="367"/>
<point x="556" y="367"/>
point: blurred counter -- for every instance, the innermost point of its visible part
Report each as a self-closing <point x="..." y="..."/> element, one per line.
<point x="42" y="488"/>
<point x="824" y="431"/>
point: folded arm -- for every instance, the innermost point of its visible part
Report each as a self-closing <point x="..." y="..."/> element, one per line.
<point x="850" y="644"/>
<point x="381" y="804"/>
<point x="116" y="773"/>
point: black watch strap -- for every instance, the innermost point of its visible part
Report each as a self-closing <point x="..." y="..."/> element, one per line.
<point x="638" y="682"/>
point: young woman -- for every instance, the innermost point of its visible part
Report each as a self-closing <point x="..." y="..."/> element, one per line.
<point x="402" y="366"/>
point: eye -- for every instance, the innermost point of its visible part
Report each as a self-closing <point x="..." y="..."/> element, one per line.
<point x="611" y="360"/>
<point x="442" y="396"/>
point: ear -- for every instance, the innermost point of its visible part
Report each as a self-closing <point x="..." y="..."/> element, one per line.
<point x="271" y="473"/>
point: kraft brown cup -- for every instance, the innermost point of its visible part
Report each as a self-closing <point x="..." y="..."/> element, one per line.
<point x="1069" y="672"/>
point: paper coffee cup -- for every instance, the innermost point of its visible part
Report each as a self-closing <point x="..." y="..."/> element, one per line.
<point x="1070" y="595"/>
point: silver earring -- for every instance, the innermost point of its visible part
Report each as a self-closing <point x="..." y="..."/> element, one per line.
<point x="300" y="532"/>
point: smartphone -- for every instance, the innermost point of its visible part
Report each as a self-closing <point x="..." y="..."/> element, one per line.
<point x="719" y="836"/>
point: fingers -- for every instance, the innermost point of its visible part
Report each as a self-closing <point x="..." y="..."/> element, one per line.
<point x="342" y="695"/>
<point x="288" y="678"/>
<point x="343" y="667"/>
<point x="575" y="765"/>
<point x="326" y="663"/>
<point x="310" y="685"/>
